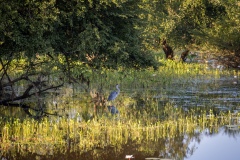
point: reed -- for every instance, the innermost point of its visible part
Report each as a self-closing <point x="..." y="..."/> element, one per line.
<point x="142" y="117"/>
<point x="87" y="135"/>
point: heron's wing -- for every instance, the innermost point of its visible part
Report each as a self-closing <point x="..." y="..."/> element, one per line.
<point x="112" y="96"/>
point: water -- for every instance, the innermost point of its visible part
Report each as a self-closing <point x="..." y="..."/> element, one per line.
<point x="222" y="94"/>
<point x="216" y="144"/>
<point x="223" y="144"/>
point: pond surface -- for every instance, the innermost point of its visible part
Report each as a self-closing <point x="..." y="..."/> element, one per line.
<point x="224" y="144"/>
<point x="222" y="93"/>
<point x="220" y="146"/>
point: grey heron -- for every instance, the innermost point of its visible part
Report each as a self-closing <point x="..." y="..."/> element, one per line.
<point x="113" y="95"/>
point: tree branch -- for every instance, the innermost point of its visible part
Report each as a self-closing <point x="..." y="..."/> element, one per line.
<point x="27" y="94"/>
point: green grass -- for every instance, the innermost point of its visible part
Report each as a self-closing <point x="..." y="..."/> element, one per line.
<point x="103" y="132"/>
<point x="138" y="123"/>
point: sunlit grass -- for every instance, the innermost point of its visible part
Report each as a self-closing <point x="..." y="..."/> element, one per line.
<point x="142" y="118"/>
<point x="102" y="132"/>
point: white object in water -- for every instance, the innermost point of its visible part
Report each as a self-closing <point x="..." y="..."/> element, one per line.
<point x="129" y="156"/>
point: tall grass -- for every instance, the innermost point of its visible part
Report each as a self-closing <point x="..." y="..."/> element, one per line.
<point x="103" y="132"/>
<point x="142" y="117"/>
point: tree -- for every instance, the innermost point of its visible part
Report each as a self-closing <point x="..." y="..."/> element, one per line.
<point x="101" y="33"/>
<point x="181" y="22"/>
<point x="223" y="37"/>
<point x="38" y="35"/>
<point x="24" y="30"/>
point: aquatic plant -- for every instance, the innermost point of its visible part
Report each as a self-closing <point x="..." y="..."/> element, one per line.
<point x="147" y="112"/>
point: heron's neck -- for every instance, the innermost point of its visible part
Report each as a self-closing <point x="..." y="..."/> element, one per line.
<point x="118" y="89"/>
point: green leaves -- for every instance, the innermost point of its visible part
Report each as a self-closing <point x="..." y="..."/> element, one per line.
<point x="25" y="26"/>
<point x="114" y="32"/>
<point x="106" y="30"/>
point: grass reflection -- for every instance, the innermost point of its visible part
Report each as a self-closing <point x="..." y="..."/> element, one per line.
<point x="48" y="135"/>
<point x="161" y="112"/>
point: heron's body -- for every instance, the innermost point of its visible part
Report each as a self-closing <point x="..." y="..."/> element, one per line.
<point x="114" y="94"/>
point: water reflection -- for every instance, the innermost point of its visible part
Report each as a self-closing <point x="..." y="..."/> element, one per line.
<point x="220" y="94"/>
<point x="220" y="146"/>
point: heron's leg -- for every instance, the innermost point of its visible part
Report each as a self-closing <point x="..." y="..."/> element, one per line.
<point x="112" y="103"/>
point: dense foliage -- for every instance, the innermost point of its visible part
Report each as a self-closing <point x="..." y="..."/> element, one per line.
<point x="99" y="33"/>
<point x="111" y="33"/>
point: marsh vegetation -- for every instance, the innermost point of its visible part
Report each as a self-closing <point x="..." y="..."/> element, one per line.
<point x="160" y="113"/>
